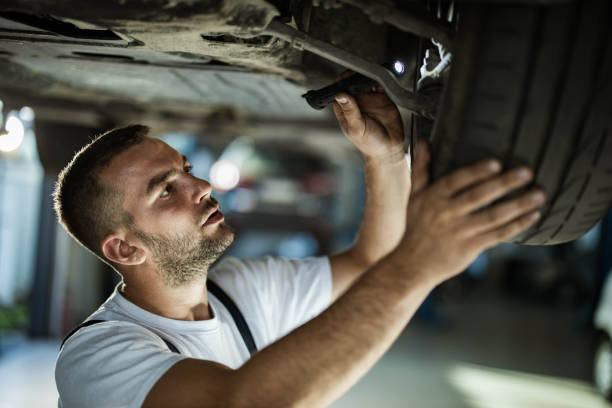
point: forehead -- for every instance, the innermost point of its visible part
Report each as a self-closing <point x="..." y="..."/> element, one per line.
<point x="131" y="170"/>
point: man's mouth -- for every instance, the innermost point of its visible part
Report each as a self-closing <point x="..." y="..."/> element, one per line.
<point x="215" y="217"/>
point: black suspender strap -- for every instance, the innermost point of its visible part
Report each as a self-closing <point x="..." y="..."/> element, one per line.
<point x="229" y="304"/>
<point x="171" y="346"/>
<point x="220" y="294"/>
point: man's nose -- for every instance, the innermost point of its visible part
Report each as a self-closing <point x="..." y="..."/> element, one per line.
<point x="202" y="189"/>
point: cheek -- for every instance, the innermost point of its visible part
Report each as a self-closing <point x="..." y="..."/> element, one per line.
<point x="172" y="219"/>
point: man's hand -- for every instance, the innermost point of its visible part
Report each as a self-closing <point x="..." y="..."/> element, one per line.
<point x="372" y="122"/>
<point x="450" y="223"/>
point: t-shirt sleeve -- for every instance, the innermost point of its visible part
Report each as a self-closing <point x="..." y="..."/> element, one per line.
<point x="276" y="294"/>
<point x="111" y="364"/>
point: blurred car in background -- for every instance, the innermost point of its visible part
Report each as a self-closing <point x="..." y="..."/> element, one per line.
<point x="277" y="178"/>
<point x="291" y="193"/>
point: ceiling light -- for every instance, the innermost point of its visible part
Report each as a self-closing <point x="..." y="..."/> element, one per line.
<point x="224" y="175"/>
<point x="26" y="114"/>
<point x="14" y="136"/>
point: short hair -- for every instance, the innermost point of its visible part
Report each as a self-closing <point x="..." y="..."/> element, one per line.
<point x="88" y="209"/>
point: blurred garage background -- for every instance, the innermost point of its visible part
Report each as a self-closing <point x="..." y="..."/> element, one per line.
<point x="517" y="329"/>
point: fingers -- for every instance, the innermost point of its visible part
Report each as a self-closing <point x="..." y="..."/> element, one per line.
<point x="490" y="190"/>
<point x="466" y="176"/>
<point x="340" y="116"/>
<point x="348" y="114"/>
<point x="378" y="100"/>
<point x="516" y="226"/>
<point x="503" y="213"/>
<point x="347" y="73"/>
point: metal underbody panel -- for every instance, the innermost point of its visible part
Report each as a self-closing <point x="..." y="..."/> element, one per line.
<point x="164" y="56"/>
<point x="179" y="59"/>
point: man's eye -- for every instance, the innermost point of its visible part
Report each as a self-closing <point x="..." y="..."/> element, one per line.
<point x="166" y="191"/>
<point x="188" y="168"/>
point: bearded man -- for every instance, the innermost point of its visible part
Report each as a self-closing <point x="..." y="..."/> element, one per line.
<point x="269" y="332"/>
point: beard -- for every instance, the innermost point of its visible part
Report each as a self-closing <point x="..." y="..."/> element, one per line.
<point x="180" y="260"/>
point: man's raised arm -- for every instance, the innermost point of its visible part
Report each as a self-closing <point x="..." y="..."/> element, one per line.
<point x="372" y="122"/>
<point x="318" y="362"/>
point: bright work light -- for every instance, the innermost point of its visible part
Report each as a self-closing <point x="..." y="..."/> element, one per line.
<point x="398" y="67"/>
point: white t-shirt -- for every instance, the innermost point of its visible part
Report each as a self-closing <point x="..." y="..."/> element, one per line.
<point x="116" y="363"/>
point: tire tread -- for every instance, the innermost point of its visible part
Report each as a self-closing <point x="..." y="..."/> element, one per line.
<point x="546" y="104"/>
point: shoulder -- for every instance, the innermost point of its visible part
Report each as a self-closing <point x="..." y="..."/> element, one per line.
<point x="98" y="343"/>
<point x="96" y="335"/>
<point x="111" y="358"/>
<point x="275" y="294"/>
<point x="271" y="279"/>
<point x="267" y="275"/>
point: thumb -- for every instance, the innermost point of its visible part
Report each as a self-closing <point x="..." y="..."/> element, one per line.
<point x="354" y="121"/>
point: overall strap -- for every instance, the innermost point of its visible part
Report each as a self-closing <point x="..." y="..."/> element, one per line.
<point x="80" y="326"/>
<point x="171" y="346"/>
<point x="229" y="304"/>
<point x="220" y="294"/>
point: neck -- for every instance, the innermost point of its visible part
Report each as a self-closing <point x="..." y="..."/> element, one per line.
<point x="188" y="302"/>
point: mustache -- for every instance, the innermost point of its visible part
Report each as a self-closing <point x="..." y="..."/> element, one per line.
<point x="207" y="209"/>
<point x="211" y="202"/>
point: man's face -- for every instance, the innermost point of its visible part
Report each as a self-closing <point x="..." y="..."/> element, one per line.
<point x="175" y="216"/>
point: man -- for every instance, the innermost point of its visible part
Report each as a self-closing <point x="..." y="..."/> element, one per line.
<point x="133" y="202"/>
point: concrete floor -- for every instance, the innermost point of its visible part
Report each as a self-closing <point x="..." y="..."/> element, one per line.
<point x="491" y="352"/>
<point x="498" y="353"/>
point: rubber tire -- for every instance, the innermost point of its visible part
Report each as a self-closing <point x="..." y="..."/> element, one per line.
<point x="530" y="84"/>
<point x="602" y="367"/>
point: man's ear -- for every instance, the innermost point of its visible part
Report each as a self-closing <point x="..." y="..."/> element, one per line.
<point x="118" y="250"/>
